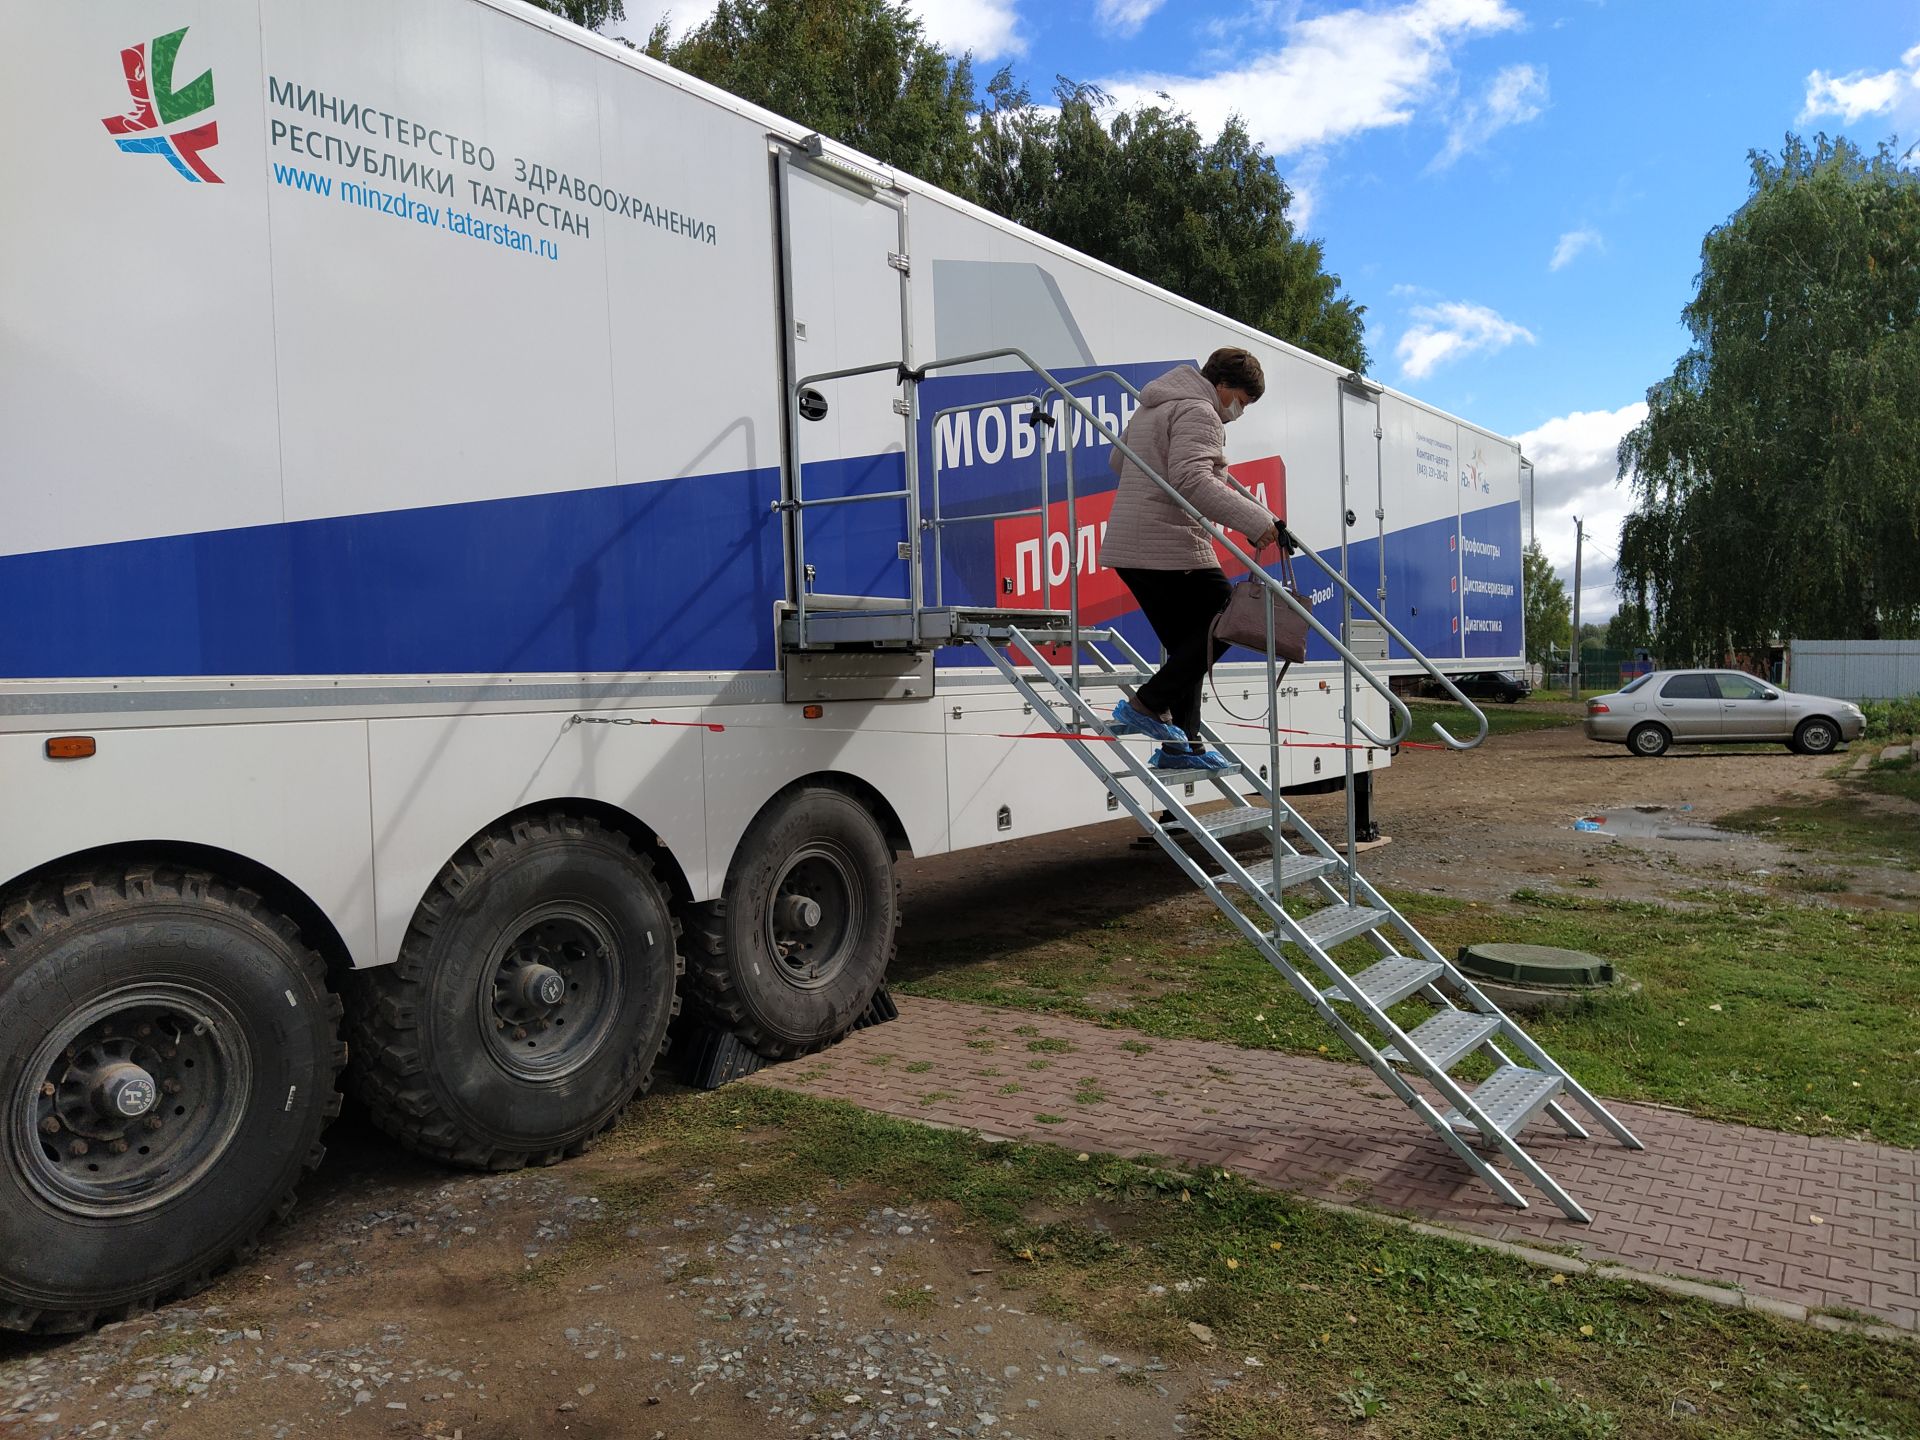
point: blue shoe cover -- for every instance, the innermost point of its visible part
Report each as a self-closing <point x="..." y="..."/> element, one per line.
<point x="1129" y="718"/>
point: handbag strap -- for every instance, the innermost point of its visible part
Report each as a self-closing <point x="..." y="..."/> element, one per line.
<point x="1213" y="626"/>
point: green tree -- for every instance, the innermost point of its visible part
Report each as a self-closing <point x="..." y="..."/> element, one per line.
<point x="1629" y="629"/>
<point x="1145" y="191"/>
<point x="590" y="13"/>
<point x="1774" y="474"/>
<point x="1546" y="604"/>
<point x="861" y="71"/>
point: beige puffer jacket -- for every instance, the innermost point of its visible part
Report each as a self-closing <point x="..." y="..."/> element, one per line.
<point x="1178" y="431"/>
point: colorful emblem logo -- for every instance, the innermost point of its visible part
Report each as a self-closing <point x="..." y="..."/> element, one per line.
<point x="153" y="126"/>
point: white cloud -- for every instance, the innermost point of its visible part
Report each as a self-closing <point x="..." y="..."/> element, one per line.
<point x="1338" y="74"/>
<point x="989" y="28"/>
<point x="643" y="15"/>
<point x="1852" y="97"/>
<point x="1572" y="244"/>
<point x="1575" y="464"/>
<point x="1518" y="94"/>
<point x="1453" y="330"/>
<point x="1123" y="18"/>
<point x="1303" y="178"/>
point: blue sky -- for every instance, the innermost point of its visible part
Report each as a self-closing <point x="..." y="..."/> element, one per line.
<point x="1515" y="189"/>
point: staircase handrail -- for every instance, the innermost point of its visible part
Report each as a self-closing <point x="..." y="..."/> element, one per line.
<point x="915" y="374"/>
<point x="1413" y="651"/>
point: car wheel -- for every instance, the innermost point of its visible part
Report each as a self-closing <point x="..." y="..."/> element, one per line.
<point x="1649" y="740"/>
<point x="1816" y="736"/>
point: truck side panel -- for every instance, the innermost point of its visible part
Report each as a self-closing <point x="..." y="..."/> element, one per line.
<point x="291" y="797"/>
<point x="437" y="782"/>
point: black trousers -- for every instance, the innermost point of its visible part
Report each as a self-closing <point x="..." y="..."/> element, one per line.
<point x="1180" y="605"/>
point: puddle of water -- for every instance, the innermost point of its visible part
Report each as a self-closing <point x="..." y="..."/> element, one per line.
<point x="1649" y="822"/>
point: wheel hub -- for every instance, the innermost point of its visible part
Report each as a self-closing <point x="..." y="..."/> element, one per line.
<point x="552" y="991"/>
<point x="122" y="1090"/>
<point x="799" y="912"/>
<point x="541" y="987"/>
<point x="814" y="916"/>
<point x="131" y="1100"/>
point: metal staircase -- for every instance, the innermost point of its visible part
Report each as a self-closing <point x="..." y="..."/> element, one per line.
<point x="1381" y="986"/>
<point x="1358" y="999"/>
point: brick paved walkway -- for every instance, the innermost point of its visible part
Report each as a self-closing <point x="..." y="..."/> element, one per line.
<point x="1818" y="1222"/>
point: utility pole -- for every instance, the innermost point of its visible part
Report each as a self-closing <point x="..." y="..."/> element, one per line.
<point x="1573" y="661"/>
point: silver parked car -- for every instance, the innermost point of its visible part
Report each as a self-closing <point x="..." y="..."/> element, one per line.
<point x="1707" y="707"/>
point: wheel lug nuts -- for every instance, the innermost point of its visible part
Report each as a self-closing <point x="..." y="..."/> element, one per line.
<point x="143" y="1031"/>
<point x="118" y="1147"/>
<point x="171" y="1086"/>
<point x="50" y="1125"/>
<point x="49" y="1089"/>
<point x="152" y="1122"/>
<point x="519" y="1032"/>
<point x="169" y="1052"/>
<point x="79" y="1147"/>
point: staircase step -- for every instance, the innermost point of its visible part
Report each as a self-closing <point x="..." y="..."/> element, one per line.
<point x="1390" y="981"/>
<point x="1235" y="820"/>
<point x="1061" y="636"/>
<point x="1294" y="870"/>
<point x="1448" y="1035"/>
<point x="1335" y="924"/>
<point x="1510" y="1097"/>
<point x="1182" y="777"/>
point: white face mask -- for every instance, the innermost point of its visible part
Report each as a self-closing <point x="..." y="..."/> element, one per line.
<point x="1234" y="411"/>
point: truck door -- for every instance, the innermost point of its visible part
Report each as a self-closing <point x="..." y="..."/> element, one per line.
<point x="1362" y="495"/>
<point x="843" y="248"/>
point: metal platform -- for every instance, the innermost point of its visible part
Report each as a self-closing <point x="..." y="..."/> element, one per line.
<point x="848" y="623"/>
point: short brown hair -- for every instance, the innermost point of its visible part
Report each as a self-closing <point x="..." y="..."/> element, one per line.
<point x="1237" y="370"/>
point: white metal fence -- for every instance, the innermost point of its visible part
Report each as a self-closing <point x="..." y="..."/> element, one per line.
<point x="1854" y="669"/>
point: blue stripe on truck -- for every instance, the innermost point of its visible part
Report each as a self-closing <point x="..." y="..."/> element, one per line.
<point x="675" y="575"/>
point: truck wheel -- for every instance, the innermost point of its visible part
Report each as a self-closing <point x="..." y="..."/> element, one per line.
<point x="1816" y="736"/>
<point x="804" y="932"/>
<point x="530" y="1000"/>
<point x="1649" y="740"/>
<point x="169" y="1053"/>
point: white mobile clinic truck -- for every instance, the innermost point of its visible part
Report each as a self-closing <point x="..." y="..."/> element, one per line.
<point x="445" y="592"/>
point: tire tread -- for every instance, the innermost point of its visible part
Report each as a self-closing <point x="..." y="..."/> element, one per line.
<point x="390" y="1076"/>
<point x="716" y="991"/>
<point x="44" y="909"/>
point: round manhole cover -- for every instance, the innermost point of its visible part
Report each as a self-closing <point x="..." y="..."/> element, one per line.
<point x="1544" y="966"/>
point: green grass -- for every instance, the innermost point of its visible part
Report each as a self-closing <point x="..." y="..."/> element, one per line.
<point x="1501" y="719"/>
<point x="1845" y="824"/>
<point x="1354" y="1321"/>
<point x="1900" y="778"/>
<point x="1813" y="1030"/>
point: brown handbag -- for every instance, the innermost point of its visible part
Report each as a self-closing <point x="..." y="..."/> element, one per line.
<point x="1244" y="622"/>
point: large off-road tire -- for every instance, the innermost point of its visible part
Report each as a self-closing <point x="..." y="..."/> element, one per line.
<point x="169" y="1053"/>
<point x="530" y="1001"/>
<point x="1649" y="740"/>
<point x="803" y="934"/>
<point x="1817" y="735"/>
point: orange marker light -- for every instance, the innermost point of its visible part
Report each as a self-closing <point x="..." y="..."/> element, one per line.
<point x="70" y="747"/>
<point x="813" y="712"/>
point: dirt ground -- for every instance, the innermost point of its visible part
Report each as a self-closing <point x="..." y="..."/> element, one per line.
<point x="404" y="1300"/>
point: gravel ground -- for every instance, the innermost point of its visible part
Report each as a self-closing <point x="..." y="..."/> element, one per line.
<point x="402" y="1301"/>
